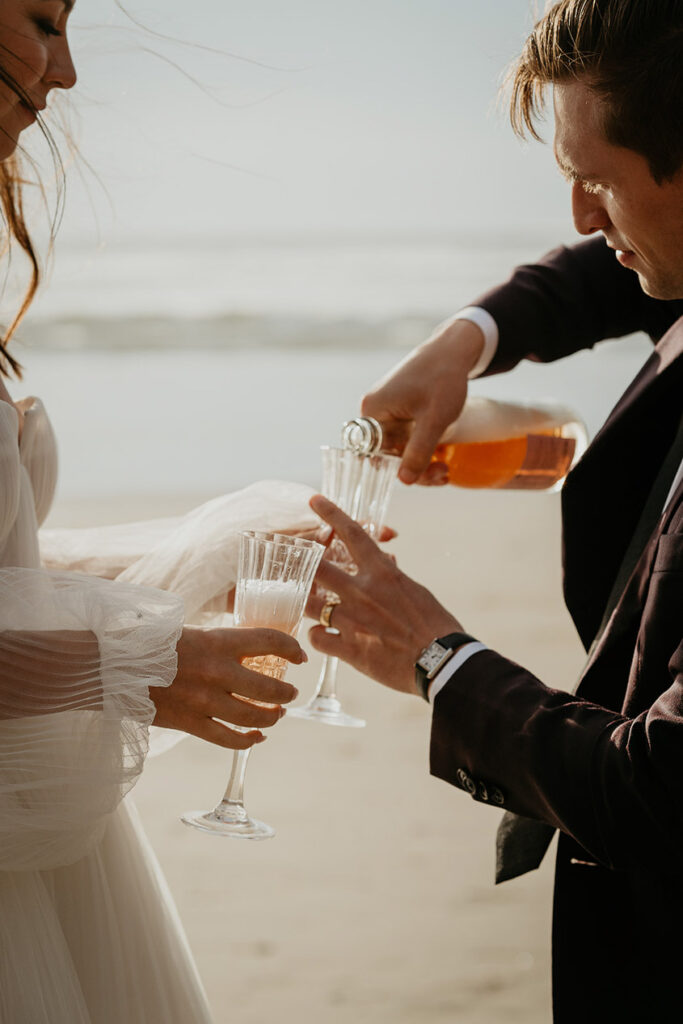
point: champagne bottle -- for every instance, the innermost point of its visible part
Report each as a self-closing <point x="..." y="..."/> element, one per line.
<point x="492" y="444"/>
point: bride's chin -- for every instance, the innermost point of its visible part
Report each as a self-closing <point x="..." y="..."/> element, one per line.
<point x="7" y="146"/>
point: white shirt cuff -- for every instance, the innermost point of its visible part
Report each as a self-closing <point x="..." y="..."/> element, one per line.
<point x="489" y="328"/>
<point x="451" y="667"/>
<point x="675" y="485"/>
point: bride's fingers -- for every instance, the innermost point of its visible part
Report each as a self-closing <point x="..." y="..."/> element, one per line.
<point x="203" y="714"/>
<point x="246" y="682"/>
<point x="247" y="642"/>
<point x="233" y="710"/>
<point x="223" y="736"/>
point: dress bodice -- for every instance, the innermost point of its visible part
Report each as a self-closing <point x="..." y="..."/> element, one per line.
<point x="28" y="472"/>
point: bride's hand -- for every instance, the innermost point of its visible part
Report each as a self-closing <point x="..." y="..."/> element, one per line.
<point x="213" y="687"/>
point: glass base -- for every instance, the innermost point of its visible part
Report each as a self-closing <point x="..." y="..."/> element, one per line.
<point x="229" y="820"/>
<point x="327" y="710"/>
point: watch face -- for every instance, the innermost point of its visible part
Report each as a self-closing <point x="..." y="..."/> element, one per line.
<point x="433" y="657"/>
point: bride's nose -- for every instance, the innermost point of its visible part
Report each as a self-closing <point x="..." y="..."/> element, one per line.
<point x="60" y="72"/>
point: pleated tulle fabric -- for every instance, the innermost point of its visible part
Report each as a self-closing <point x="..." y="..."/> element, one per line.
<point x="88" y="931"/>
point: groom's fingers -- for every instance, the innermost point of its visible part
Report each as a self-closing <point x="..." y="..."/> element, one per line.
<point x="317" y="602"/>
<point x="336" y="645"/>
<point x="333" y="580"/>
<point x="361" y="546"/>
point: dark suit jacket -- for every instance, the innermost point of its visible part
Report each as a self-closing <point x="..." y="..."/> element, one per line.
<point x="605" y="766"/>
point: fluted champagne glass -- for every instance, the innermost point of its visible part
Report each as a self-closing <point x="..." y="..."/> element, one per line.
<point x="361" y="486"/>
<point x="274" y="580"/>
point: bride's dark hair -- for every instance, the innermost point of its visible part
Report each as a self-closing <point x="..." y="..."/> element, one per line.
<point x="11" y="201"/>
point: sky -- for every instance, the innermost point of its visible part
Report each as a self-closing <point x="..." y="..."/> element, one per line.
<point x="306" y="118"/>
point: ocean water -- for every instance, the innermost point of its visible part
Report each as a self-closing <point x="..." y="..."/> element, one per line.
<point x="195" y="369"/>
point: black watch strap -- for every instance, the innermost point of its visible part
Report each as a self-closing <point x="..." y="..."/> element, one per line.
<point x="435" y="656"/>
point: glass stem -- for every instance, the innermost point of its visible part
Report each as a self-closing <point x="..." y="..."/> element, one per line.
<point x="327" y="684"/>
<point x="234" y="794"/>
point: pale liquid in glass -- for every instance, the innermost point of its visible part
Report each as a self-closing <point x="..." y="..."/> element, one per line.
<point x="269" y="604"/>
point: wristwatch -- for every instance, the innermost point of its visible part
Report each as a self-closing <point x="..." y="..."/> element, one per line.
<point x="435" y="656"/>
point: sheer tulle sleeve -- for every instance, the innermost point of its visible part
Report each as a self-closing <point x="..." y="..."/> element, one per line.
<point x="198" y="560"/>
<point x="77" y="656"/>
<point x="104" y="551"/>
<point x="194" y="556"/>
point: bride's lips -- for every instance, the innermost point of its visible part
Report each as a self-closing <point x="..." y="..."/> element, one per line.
<point x="27" y="111"/>
<point x="31" y="110"/>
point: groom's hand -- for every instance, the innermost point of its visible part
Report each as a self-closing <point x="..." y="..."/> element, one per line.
<point x="385" y="619"/>
<point x="421" y="396"/>
<point x="212" y="686"/>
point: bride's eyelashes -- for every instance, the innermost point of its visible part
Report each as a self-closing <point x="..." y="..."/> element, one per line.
<point x="47" y="28"/>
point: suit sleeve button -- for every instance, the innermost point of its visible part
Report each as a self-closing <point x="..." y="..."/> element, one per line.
<point x="497" y="796"/>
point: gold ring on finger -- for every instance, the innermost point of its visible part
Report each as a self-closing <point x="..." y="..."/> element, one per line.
<point x="326" y="612"/>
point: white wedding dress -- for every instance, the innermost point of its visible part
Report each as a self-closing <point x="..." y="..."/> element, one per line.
<point x="88" y="931"/>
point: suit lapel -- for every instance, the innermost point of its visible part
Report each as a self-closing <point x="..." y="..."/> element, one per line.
<point x="604" y="495"/>
<point x="611" y="660"/>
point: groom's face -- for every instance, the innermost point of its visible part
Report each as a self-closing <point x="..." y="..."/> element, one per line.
<point x="613" y="191"/>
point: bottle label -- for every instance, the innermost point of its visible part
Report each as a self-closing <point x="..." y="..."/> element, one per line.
<point x="547" y="460"/>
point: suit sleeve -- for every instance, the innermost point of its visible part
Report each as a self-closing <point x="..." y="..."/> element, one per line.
<point x="611" y="782"/>
<point x="571" y="299"/>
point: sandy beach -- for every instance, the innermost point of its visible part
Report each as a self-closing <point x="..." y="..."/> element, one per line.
<point x="375" y="901"/>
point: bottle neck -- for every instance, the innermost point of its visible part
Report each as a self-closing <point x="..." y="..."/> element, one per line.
<point x="362" y="436"/>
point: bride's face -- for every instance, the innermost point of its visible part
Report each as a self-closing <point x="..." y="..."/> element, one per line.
<point x="34" y="53"/>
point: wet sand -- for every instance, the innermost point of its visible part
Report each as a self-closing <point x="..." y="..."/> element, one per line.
<point x="375" y="901"/>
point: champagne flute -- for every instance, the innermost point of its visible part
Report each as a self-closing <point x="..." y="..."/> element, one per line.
<point x="360" y="484"/>
<point x="274" y="580"/>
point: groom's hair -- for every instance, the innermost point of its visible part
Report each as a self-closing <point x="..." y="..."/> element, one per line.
<point x="630" y="52"/>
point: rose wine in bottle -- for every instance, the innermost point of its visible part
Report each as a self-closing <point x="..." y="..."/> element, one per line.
<point x="492" y="444"/>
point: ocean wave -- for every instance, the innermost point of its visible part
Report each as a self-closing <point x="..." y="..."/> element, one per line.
<point x="227" y="332"/>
